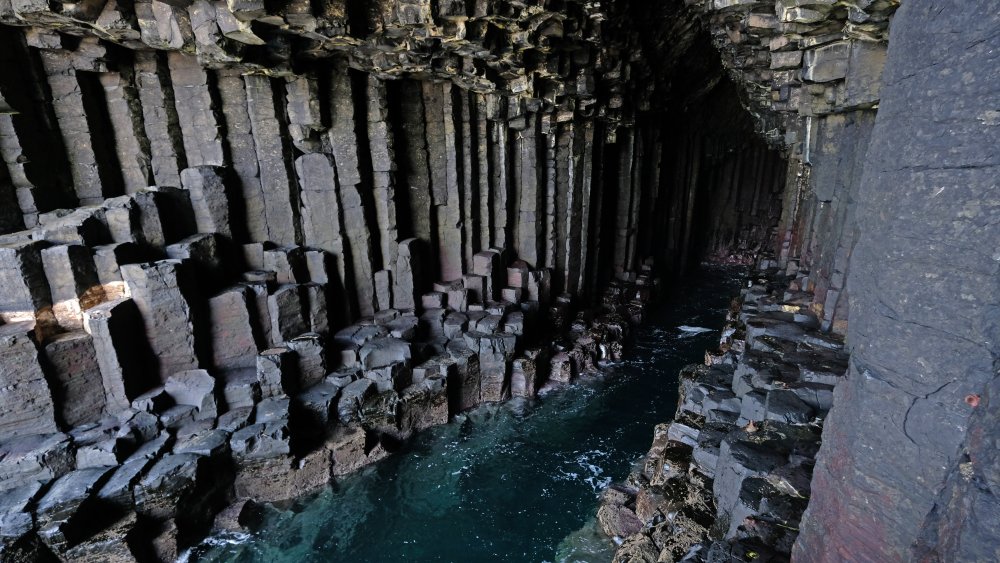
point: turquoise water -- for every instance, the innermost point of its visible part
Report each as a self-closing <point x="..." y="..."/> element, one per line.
<point x="512" y="482"/>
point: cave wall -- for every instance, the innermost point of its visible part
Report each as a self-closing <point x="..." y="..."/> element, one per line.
<point x="809" y="75"/>
<point x="393" y="143"/>
<point x="469" y="127"/>
<point x="905" y="471"/>
<point x="907" y="274"/>
<point x="905" y="452"/>
<point x="246" y="248"/>
<point x="200" y="183"/>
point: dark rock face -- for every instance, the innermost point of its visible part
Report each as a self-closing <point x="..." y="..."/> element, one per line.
<point x="247" y="247"/>
<point x="963" y="523"/>
<point x="731" y="474"/>
<point x="903" y="452"/>
<point x="499" y="125"/>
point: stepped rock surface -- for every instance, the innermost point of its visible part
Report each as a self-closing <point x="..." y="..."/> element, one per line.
<point x="249" y="247"/>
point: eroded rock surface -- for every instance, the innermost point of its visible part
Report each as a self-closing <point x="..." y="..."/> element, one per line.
<point x="731" y="473"/>
<point x="174" y="404"/>
<point x="245" y="247"/>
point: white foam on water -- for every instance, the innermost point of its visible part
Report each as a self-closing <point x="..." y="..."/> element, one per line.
<point x="222" y="540"/>
<point x="689" y="331"/>
<point x="585" y="468"/>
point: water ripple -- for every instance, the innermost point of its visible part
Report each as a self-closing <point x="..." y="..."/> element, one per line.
<point x="514" y="482"/>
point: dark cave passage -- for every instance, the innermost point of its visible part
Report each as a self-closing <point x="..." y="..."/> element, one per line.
<point x="712" y="189"/>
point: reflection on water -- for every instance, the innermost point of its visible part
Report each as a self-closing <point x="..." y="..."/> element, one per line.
<point x="514" y="482"/>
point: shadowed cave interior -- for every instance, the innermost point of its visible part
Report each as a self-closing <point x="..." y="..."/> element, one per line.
<point x="248" y="248"/>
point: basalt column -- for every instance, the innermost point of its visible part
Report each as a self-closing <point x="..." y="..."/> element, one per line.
<point x="905" y="471"/>
<point x="246" y="248"/>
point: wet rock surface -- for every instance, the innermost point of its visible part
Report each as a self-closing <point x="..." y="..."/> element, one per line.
<point x="220" y="217"/>
<point x="730" y="475"/>
<point x="154" y="454"/>
<point x="261" y="244"/>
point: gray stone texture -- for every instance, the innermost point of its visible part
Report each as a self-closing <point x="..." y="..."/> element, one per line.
<point x="520" y="155"/>
<point x="234" y="340"/>
<point x="927" y="249"/>
<point x="160" y="291"/>
<point x="77" y="382"/>
<point x="209" y="199"/>
<point x="29" y="408"/>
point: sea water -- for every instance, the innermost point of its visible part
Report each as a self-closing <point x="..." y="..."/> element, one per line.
<point x="513" y="482"/>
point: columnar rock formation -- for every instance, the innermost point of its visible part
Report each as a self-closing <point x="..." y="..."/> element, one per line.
<point x="904" y="472"/>
<point x="500" y="125"/>
<point x="729" y="477"/>
<point x="291" y="233"/>
<point x="912" y="423"/>
<point x="258" y="245"/>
